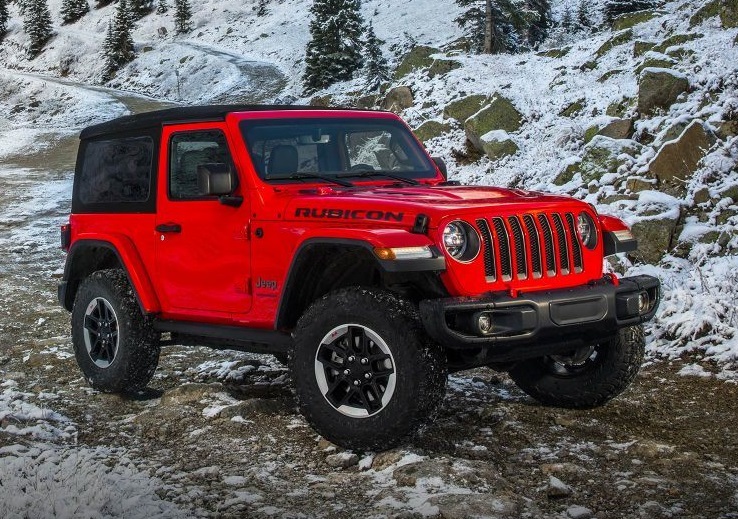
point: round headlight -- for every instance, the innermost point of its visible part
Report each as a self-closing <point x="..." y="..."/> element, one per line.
<point x="587" y="231"/>
<point x="455" y="239"/>
<point x="461" y="241"/>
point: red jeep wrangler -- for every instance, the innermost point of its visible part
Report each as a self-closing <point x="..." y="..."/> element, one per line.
<point x="331" y="237"/>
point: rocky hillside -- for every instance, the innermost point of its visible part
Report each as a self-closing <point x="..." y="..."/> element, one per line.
<point x="640" y="121"/>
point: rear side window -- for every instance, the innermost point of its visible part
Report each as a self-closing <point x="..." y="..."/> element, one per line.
<point x="116" y="171"/>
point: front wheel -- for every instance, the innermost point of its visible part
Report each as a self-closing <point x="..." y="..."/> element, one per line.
<point x="114" y="343"/>
<point x="366" y="375"/>
<point x="587" y="377"/>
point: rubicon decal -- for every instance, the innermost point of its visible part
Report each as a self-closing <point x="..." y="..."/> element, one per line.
<point x="348" y="214"/>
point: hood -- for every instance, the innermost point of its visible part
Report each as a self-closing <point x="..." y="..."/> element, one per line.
<point x="399" y="203"/>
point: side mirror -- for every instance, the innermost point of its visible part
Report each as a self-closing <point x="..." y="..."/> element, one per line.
<point x="215" y="179"/>
<point x="441" y="166"/>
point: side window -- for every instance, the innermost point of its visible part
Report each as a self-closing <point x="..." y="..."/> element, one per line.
<point x="117" y="171"/>
<point x="187" y="151"/>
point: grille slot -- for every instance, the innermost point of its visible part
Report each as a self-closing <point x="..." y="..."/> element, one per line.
<point x="548" y="241"/>
<point x="503" y="240"/>
<point x="520" y="249"/>
<point x="489" y="252"/>
<point x="576" y="245"/>
<point x="535" y="246"/>
<point x="561" y="240"/>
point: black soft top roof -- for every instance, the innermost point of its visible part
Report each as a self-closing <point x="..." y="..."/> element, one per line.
<point x="156" y="118"/>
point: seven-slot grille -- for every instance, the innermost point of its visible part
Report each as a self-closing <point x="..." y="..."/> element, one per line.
<point x="529" y="246"/>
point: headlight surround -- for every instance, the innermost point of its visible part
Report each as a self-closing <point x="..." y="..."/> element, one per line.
<point x="587" y="230"/>
<point x="461" y="241"/>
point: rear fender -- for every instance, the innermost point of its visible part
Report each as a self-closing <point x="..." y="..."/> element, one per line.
<point x="77" y="268"/>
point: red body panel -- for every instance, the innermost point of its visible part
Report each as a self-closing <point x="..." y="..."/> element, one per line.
<point x="230" y="264"/>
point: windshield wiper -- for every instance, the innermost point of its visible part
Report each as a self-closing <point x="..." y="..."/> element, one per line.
<point x="367" y="174"/>
<point x="324" y="178"/>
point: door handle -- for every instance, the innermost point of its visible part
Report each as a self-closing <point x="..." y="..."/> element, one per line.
<point x="169" y="227"/>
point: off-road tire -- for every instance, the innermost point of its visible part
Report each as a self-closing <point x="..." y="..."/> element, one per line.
<point x="419" y="368"/>
<point x="137" y="354"/>
<point x="591" y="384"/>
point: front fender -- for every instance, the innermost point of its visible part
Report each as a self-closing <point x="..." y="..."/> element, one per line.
<point x="372" y="239"/>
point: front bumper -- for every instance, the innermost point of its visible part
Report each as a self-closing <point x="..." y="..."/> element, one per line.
<point x="540" y="323"/>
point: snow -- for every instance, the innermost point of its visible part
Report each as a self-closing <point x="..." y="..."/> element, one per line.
<point x="66" y="482"/>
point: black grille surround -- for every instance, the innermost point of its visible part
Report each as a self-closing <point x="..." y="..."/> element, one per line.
<point x="525" y="246"/>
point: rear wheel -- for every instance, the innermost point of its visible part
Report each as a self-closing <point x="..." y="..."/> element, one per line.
<point x="365" y="373"/>
<point x="114" y="343"/>
<point x="587" y="377"/>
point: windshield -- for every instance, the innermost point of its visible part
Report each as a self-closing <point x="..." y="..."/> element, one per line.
<point x="297" y="149"/>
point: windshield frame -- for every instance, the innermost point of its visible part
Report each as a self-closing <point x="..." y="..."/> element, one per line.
<point x="341" y="125"/>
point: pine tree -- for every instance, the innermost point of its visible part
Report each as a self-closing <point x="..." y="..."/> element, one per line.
<point x="261" y="7"/>
<point x="182" y="17"/>
<point x="584" y="15"/>
<point x="567" y="22"/>
<point x="118" y="44"/>
<point x="334" y="52"/>
<point x="540" y="23"/>
<point x="73" y="10"/>
<point x="37" y="24"/>
<point x="162" y="7"/>
<point x="21" y="6"/>
<point x="495" y="26"/>
<point x="377" y="69"/>
<point x="3" y="18"/>
<point x="140" y="8"/>
<point x="614" y="8"/>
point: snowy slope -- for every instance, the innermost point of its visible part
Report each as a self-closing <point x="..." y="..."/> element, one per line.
<point x="279" y="38"/>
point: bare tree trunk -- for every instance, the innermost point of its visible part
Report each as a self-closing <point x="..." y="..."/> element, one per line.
<point x="488" y="27"/>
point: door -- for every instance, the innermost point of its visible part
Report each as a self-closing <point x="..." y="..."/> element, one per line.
<point x="203" y="252"/>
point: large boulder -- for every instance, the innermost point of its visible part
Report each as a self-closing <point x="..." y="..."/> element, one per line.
<point x="659" y="88"/>
<point x="654" y="238"/>
<point x="397" y="99"/>
<point x="602" y="155"/>
<point x="499" y="114"/>
<point x="705" y="12"/>
<point x="641" y="47"/>
<point x="573" y="108"/>
<point x="418" y="58"/>
<point x="676" y="40"/>
<point x="430" y="130"/>
<point x="618" y="129"/>
<point x="496" y="144"/>
<point x="463" y="108"/>
<point x="442" y="67"/>
<point x="654" y="60"/>
<point x="677" y="160"/>
<point x="628" y="20"/>
<point x="729" y="14"/>
<point x="620" y="38"/>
